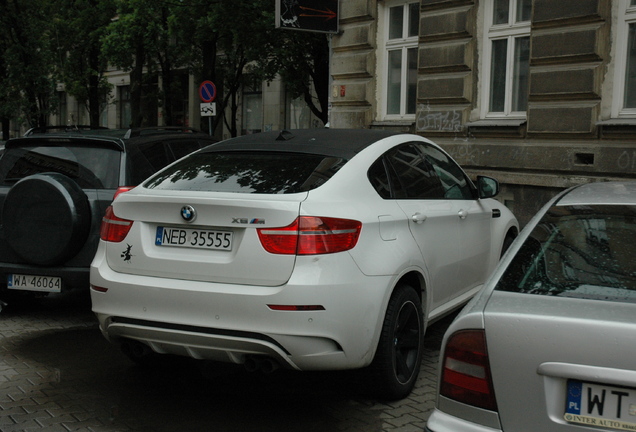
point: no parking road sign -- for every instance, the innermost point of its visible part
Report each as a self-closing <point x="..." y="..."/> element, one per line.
<point x="207" y="91"/>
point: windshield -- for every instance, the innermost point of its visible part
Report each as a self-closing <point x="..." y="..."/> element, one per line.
<point x="90" y="167"/>
<point x="578" y="251"/>
<point x="247" y="172"/>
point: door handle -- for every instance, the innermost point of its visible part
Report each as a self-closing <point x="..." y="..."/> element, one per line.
<point x="418" y="218"/>
<point x="462" y="214"/>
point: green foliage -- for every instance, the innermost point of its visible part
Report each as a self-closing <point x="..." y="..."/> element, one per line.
<point x="26" y="70"/>
<point x="79" y="26"/>
<point x="302" y="61"/>
<point x="230" y="42"/>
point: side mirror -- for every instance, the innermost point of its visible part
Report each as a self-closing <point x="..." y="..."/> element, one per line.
<point x="488" y="187"/>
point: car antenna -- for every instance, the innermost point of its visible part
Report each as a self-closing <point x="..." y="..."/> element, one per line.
<point x="285" y="135"/>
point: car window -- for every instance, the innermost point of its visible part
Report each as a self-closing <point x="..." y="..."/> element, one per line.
<point x="417" y="179"/>
<point x="379" y="179"/>
<point x="181" y="148"/>
<point x="248" y="172"/>
<point x="384" y="180"/>
<point x="148" y="158"/>
<point x="578" y="251"/>
<point x="89" y="167"/>
<point x="453" y="179"/>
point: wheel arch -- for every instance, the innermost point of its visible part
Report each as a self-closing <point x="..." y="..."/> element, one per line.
<point x="504" y="229"/>
<point x="417" y="280"/>
<point x="414" y="279"/>
<point x="511" y="234"/>
<point x="391" y="372"/>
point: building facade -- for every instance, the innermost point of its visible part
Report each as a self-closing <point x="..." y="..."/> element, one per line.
<point x="540" y="94"/>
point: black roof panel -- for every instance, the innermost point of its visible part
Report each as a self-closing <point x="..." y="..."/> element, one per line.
<point x="330" y="142"/>
<point x="102" y="137"/>
<point x="57" y="139"/>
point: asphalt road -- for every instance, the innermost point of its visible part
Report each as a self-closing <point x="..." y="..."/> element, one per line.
<point x="57" y="373"/>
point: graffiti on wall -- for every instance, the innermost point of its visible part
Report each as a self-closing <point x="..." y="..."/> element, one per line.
<point x="438" y="121"/>
<point x="626" y="161"/>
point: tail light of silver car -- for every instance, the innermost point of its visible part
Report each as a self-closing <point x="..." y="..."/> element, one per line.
<point x="466" y="373"/>
<point x="311" y="235"/>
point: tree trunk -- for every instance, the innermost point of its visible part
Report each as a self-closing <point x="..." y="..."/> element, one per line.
<point x="94" y="102"/>
<point x="167" y="78"/>
<point x="136" y="87"/>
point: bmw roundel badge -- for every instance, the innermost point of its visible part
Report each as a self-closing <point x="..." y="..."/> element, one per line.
<point x="188" y="213"/>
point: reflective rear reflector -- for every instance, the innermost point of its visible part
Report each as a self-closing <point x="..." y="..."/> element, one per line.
<point x="98" y="288"/>
<point x="296" y="307"/>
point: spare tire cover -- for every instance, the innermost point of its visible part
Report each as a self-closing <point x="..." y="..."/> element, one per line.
<point x="46" y="218"/>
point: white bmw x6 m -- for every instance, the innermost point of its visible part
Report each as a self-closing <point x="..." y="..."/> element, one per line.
<point x="309" y="249"/>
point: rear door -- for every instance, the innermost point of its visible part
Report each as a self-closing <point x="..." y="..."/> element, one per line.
<point x="68" y="234"/>
<point x="474" y="220"/>
<point x="432" y="219"/>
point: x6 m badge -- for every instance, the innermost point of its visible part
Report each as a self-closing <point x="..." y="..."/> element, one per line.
<point x="245" y="221"/>
<point x="188" y="213"/>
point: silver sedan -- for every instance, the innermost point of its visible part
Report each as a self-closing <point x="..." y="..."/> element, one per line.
<point x="550" y="343"/>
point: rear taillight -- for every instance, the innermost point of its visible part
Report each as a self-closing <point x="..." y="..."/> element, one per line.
<point x="121" y="189"/>
<point x="114" y="229"/>
<point x="311" y="235"/>
<point x="466" y="371"/>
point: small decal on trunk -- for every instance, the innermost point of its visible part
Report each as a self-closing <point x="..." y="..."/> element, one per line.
<point x="126" y="255"/>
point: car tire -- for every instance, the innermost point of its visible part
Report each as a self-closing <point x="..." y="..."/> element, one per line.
<point x="46" y="218"/>
<point x="510" y="238"/>
<point x="398" y="357"/>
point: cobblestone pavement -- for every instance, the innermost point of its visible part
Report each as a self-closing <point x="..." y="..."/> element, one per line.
<point x="57" y="373"/>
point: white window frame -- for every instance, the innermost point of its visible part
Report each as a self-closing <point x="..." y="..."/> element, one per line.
<point x="404" y="44"/>
<point x="626" y="16"/>
<point x="510" y="31"/>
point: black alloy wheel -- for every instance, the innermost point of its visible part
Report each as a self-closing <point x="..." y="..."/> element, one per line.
<point x="399" y="354"/>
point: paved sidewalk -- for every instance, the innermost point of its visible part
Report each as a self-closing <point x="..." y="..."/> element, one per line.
<point x="57" y="373"/>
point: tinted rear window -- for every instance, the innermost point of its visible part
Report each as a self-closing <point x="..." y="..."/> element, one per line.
<point x="89" y="167"/>
<point x="248" y="172"/>
<point x="150" y="157"/>
<point x="578" y="251"/>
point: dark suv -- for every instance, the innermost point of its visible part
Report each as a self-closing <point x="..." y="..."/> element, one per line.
<point x="55" y="186"/>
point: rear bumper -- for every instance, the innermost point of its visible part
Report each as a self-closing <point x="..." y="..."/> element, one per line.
<point x="226" y="322"/>
<point x="228" y="346"/>
<point x="439" y="421"/>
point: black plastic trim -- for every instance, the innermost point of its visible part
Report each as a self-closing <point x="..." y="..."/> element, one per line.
<point x="198" y="329"/>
